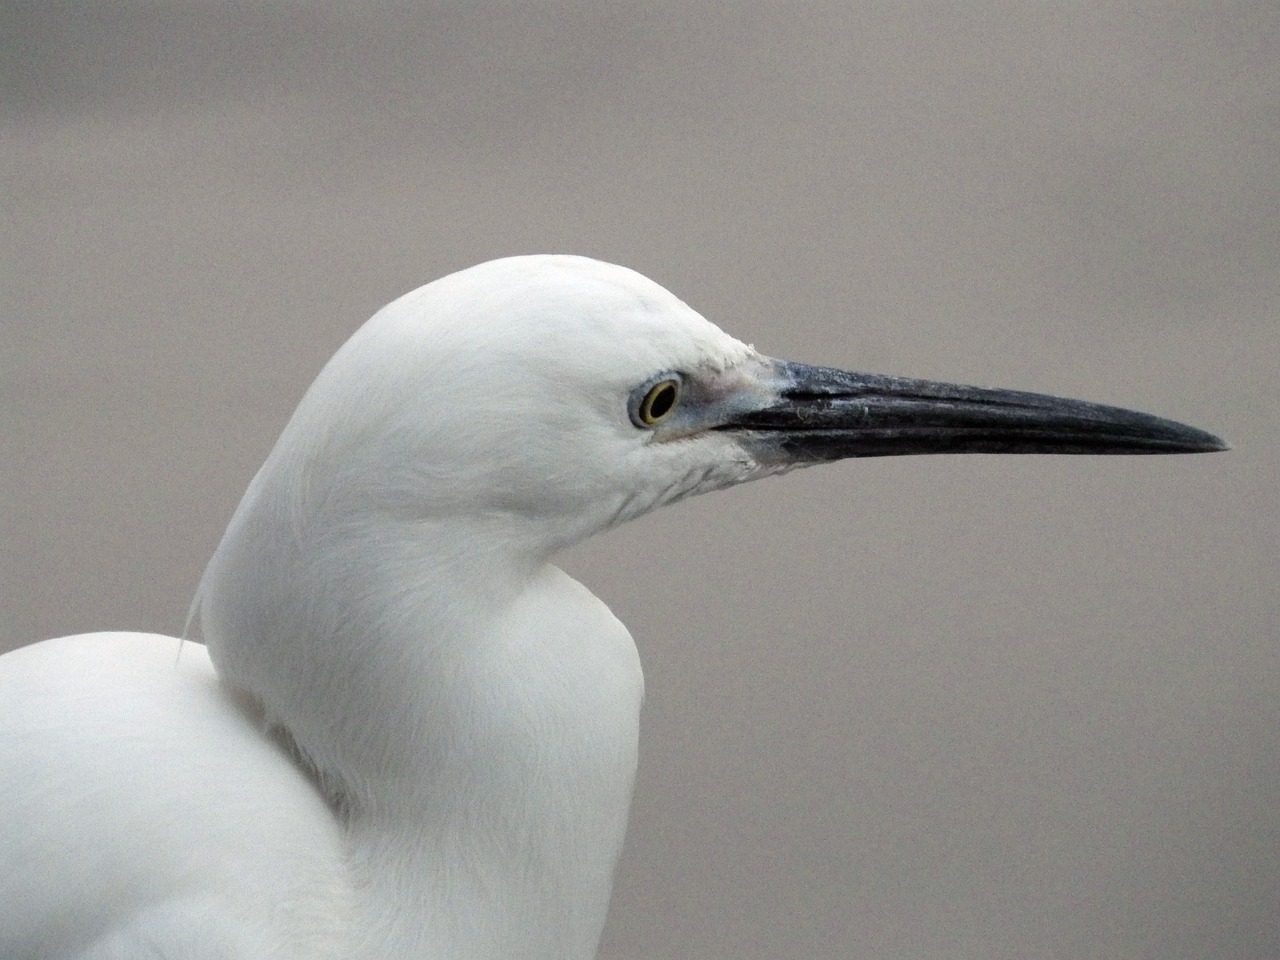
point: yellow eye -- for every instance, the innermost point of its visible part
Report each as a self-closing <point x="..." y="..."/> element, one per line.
<point x="658" y="402"/>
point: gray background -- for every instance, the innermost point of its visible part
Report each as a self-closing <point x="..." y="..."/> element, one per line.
<point x="920" y="708"/>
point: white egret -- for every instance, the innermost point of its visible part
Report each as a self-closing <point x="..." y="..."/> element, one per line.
<point x="411" y="736"/>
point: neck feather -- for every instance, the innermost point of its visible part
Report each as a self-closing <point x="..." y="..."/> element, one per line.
<point x="472" y="712"/>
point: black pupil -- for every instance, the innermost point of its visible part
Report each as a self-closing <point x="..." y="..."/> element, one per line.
<point x="661" y="400"/>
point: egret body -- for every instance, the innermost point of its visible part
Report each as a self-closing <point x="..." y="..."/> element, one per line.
<point x="410" y="735"/>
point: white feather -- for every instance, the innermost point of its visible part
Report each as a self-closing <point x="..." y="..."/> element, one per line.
<point x="423" y="739"/>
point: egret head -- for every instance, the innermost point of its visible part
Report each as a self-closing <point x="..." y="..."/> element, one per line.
<point x="561" y="395"/>
<point x="476" y="425"/>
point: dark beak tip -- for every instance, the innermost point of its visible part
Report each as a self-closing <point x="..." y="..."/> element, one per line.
<point x="1216" y="445"/>
<point x="1199" y="441"/>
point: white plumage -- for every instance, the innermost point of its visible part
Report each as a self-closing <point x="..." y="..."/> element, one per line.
<point x="410" y="735"/>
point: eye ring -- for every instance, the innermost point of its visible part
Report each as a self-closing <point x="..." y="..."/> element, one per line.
<point x="656" y="402"/>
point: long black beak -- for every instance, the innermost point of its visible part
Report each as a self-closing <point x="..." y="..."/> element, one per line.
<point x="826" y="414"/>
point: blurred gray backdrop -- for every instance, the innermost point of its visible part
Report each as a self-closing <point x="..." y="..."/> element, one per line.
<point x="921" y="708"/>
